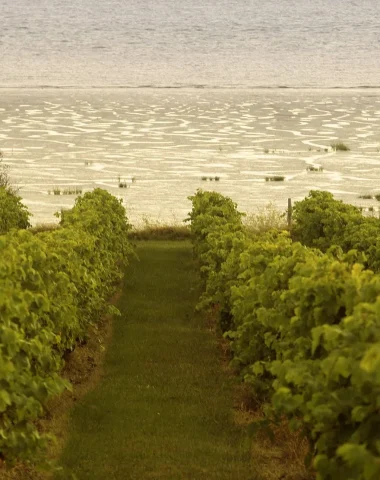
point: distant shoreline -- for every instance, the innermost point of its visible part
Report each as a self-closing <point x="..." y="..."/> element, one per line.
<point x="189" y="87"/>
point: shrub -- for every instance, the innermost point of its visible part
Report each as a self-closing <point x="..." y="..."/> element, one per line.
<point x="340" y="146"/>
<point x="275" y="178"/>
<point x="54" y="286"/>
<point x="5" y="181"/>
<point x="320" y="220"/>
<point x="304" y="328"/>
<point x="211" y="211"/>
<point x="13" y="214"/>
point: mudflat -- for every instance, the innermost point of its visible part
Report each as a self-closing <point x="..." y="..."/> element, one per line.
<point x="154" y="147"/>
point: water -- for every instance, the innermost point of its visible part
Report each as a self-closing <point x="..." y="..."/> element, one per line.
<point x="209" y="43"/>
<point x="164" y="144"/>
<point x="163" y="96"/>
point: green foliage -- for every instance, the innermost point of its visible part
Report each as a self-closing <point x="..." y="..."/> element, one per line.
<point x="215" y="224"/>
<point x="258" y="307"/>
<point x="13" y="214"/>
<point x="5" y="181"/>
<point x="102" y="216"/>
<point x="53" y="287"/>
<point x="320" y="220"/>
<point x="211" y="212"/>
<point x="304" y="327"/>
<point x="335" y="393"/>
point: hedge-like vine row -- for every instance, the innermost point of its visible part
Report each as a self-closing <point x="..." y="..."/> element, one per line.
<point x="53" y="287"/>
<point x="13" y="214"/>
<point x="321" y="221"/>
<point x="304" y="328"/>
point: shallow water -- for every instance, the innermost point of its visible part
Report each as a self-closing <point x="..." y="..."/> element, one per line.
<point x="161" y="143"/>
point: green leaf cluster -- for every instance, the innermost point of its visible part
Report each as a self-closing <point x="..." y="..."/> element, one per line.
<point x="304" y="328"/>
<point x="13" y="214"/>
<point x="323" y="222"/>
<point x="216" y="226"/>
<point x="54" y="286"/>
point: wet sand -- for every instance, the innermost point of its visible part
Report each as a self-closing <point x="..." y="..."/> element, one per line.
<point x="160" y="143"/>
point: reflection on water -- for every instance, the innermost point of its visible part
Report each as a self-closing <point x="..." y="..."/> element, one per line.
<point x="161" y="145"/>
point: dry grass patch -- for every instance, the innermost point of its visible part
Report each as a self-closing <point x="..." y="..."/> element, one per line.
<point x="149" y="229"/>
<point x="278" y="458"/>
<point x="44" y="227"/>
<point x="265" y="219"/>
<point x="161" y="232"/>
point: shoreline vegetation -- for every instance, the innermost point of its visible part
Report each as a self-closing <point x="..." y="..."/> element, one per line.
<point x="251" y="275"/>
<point x="292" y="305"/>
<point x="85" y="369"/>
<point x="84" y="365"/>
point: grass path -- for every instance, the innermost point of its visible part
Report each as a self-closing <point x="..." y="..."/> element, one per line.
<point x="163" y="409"/>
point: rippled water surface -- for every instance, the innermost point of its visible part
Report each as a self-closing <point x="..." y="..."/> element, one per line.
<point x="232" y="43"/>
<point x="161" y="145"/>
<point x="198" y="99"/>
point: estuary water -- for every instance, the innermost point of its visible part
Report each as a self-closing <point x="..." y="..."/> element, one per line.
<point x="161" y="145"/>
<point x="154" y="99"/>
<point x="172" y="43"/>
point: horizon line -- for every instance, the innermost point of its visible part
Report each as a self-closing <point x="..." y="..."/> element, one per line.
<point x="190" y="86"/>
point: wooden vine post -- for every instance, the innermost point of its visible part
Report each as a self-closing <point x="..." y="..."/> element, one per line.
<point x="289" y="213"/>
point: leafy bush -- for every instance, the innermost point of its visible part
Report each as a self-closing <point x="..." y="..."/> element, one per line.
<point x="305" y="328"/>
<point x="215" y="223"/>
<point x="340" y="146"/>
<point x="13" y="214"/>
<point x="210" y="212"/>
<point x="320" y="220"/>
<point x="53" y="287"/>
<point x="5" y="181"/>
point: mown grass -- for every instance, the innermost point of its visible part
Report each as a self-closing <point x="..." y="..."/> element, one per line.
<point x="164" y="408"/>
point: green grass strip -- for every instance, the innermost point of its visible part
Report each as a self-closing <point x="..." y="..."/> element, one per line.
<point x="163" y="409"/>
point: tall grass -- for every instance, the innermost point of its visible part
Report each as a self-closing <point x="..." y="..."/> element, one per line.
<point x="265" y="218"/>
<point x="340" y="146"/>
<point x="148" y="229"/>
